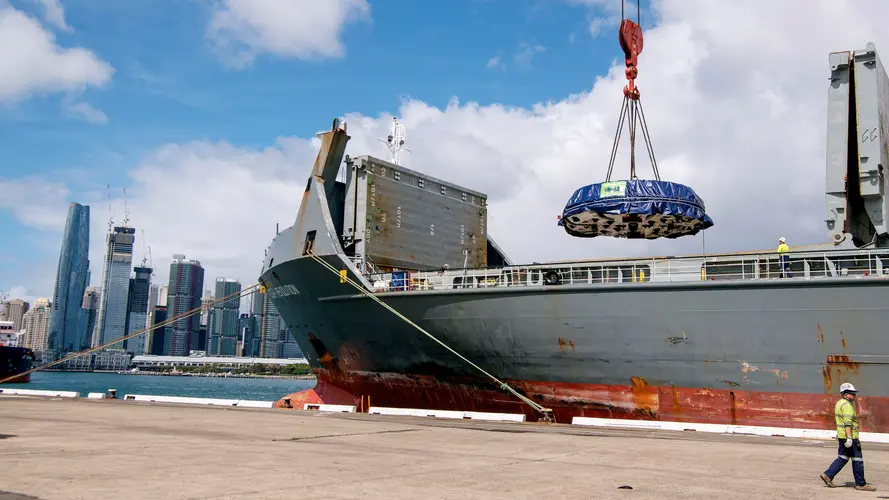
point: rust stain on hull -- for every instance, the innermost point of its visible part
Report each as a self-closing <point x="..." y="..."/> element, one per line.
<point x="674" y="399"/>
<point x="563" y="343"/>
<point x="639" y="400"/>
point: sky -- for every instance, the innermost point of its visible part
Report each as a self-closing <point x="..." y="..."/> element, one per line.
<point x="197" y="121"/>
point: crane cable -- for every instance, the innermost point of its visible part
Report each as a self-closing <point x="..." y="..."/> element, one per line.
<point x="630" y="37"/>
<point x="240" y="294"/>
<point x="546" y="413"/>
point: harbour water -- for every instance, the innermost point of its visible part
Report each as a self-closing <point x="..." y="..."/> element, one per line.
<point x="256" y="389"/>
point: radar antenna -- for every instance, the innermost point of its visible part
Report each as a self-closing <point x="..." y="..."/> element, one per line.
<point x="395" y="141"/>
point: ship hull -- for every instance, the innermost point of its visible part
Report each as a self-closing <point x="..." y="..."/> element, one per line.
<point x="636" y="401"/>
<point x="767" y="352"/>
<point x="13" y="361"/>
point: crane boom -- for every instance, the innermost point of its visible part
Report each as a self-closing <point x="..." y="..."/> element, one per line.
<point x="857" y="149"/>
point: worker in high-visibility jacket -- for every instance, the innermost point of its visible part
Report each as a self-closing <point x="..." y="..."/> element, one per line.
<point x="849" y="445"/>
<point x="784" y="256"/>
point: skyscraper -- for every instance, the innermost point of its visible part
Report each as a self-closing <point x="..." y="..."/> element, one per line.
<point x="111" y="320"/>
<point x="71" y="280"/>
<point x="89" y="310"/>
<point x="153" y="292"/>
<point x="14" y="310"/>
<point x="225" y="322"/>
<point x="36" y="322"/>
<point x="268" y="327"/>
<point x="183" y="295"/>
<point x="245" y="335"/>
<point x="157" y="343"/>
<point x="137" y="309"/>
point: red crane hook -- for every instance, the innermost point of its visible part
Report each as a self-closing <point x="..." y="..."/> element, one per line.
<point x="630" y="36"/>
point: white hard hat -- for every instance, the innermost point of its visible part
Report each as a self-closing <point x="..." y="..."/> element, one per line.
<point x="781" y="239"/>
<point x="847" y="387"/>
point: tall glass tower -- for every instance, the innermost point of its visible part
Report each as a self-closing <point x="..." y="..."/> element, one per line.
<point x="137" y="309"/>
<point x="71" y="280"/>
<point x="111" y="320"/>
<point x="183" y="295"/>
<point x="225" y="319"/>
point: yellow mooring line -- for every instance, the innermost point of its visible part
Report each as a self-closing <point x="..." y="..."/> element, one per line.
<point x="547" y="415"/>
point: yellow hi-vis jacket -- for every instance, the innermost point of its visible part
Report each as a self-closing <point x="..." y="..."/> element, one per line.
<point x="783" y="249"/>
<point x="844" y="412"/>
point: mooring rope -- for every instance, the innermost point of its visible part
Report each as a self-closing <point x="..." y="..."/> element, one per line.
<point x="546" y="412"/>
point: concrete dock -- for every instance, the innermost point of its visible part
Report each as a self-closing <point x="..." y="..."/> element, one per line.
<point x="111" y="449"/>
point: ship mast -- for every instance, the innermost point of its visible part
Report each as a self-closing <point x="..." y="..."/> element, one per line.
<point x="395" y="141"/>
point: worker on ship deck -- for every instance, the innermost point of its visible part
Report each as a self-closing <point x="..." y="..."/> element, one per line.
<point x="847" y="436"/>
<point x="784" y="256"/>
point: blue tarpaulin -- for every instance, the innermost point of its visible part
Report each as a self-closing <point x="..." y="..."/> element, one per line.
<point x="635" y="209"/>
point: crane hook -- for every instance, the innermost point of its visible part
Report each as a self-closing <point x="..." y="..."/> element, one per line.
<point x="630" y="36"/>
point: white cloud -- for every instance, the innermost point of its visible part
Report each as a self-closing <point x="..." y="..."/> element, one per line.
<point x="526" y="52"/>
<point x="302" y="29"/>
<point x="739" y="118"/>
<point x="84" y="111"/>
<point x="31" y="62"/>
<point x="34" y="201"/>
<point x="55" y="14"/>
<point x="494" y="62"/>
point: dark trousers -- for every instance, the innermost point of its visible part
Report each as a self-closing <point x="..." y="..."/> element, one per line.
<point x="785" y="267"/>
<point x="844" y="455"/>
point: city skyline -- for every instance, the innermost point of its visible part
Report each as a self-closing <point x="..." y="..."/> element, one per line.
<point x="229" y="333"/>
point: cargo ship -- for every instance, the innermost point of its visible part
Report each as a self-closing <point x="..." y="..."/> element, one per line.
<point x="727" y="338"/>
<point x="13" y="359"/>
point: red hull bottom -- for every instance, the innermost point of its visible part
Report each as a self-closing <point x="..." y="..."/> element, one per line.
<point x="638" y="400"/>
<point x="21" y="379"/>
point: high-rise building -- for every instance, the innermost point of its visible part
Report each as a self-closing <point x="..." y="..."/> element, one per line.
<point x="71" y="280"/>
<point x="111" y="320"/>
<point x="162" y="295"/>
<point x="245" y="335"/>
<point x="14" y="310"/>
<point x="268" y="327"/>
<point x="36" y="322"/>
<point x="183" y="295"/>
<point x="207" y="308"/>
<point x="88" y="310"/>
<point x="137" y="310"/>
<point x="153" y="296"/>
<point x="225" y="322"/>
<point x="157" y="343"/>
<point x="289" y="347"/>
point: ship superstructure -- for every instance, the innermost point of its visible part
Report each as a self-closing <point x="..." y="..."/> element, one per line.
<point x="713" y="338"/>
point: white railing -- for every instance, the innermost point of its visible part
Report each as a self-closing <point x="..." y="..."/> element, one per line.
<point x="849" y="264"/>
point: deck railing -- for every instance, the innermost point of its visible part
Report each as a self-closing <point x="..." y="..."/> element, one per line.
<point x="806" y="265"/>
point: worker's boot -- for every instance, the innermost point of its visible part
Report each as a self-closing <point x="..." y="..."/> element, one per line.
<point x="866" y="487"/>
<point x="827" y="480"/>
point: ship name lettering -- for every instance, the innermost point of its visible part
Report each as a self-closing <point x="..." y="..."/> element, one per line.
<point x="282" y="291"/>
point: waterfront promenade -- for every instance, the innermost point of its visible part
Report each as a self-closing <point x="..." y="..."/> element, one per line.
<point x="93" y="449"/>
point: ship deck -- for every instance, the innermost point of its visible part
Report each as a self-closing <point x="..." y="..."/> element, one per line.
<point x="733" y="267"/>
<point x="79" y="449"/>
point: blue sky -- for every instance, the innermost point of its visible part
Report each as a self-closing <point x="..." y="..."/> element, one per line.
<point x="169" y="86"/>
<point x="536" y="111"/>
